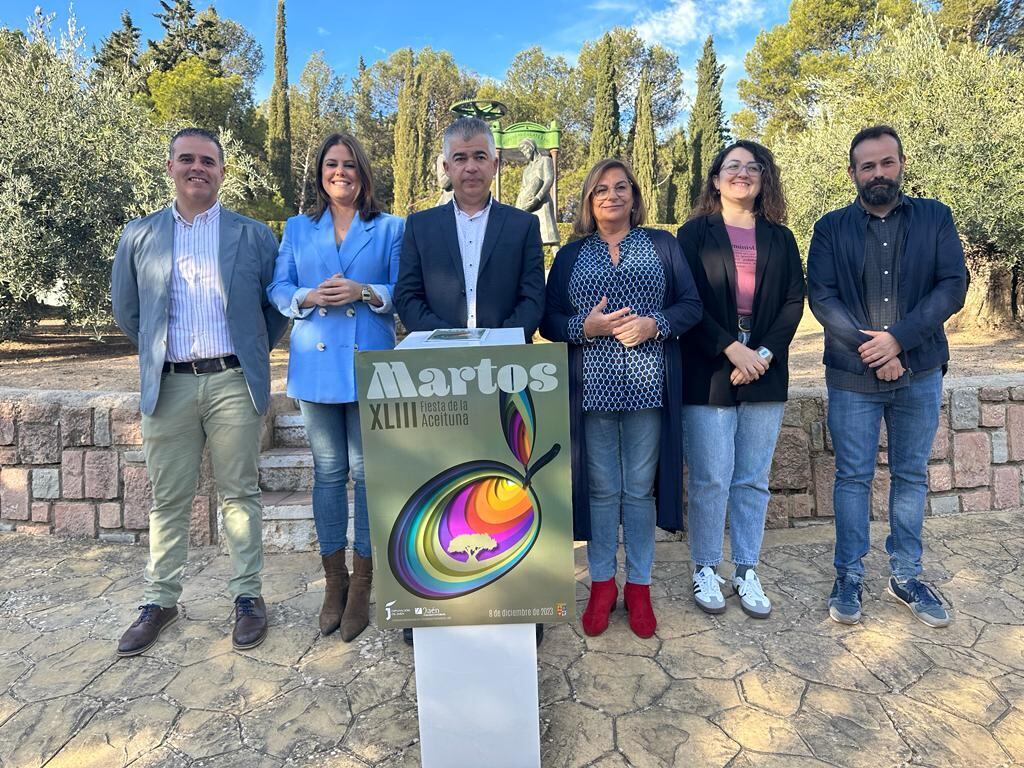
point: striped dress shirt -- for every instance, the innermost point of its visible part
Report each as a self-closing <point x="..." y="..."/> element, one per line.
<point x="197" y="326"/>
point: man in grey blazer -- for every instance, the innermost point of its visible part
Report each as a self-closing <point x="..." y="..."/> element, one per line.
<point x="189" y="290"/>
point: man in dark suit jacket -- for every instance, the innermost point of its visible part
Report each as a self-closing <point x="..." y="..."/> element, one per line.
<point x="473" y="262"/>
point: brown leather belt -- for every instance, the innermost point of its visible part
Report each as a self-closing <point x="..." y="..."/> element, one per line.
<point x="199" y="367"/>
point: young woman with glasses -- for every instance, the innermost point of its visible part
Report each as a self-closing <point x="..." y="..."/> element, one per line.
<point x="735" y="364"/>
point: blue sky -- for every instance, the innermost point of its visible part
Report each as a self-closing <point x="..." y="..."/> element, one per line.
<point x="483" y="40"/>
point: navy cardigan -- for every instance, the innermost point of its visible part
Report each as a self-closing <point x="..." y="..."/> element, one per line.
<point x="682" y="309"/>
<point x="932" y="284"/>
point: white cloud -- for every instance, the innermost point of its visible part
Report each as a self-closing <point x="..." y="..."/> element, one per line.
<point x="685" y="21"/>
<point x="323" y="31"/>
<point x="676" y="25"/>
<point x="614" y="5"/>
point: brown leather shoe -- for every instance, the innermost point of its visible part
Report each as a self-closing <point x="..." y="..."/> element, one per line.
<point x="335" y="591"/>
<point x="141" y="635"/>
<point x="250" y="623"/>
<point x="357" y="611"/>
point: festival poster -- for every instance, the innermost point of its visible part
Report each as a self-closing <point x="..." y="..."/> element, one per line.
<point x="468" y="484"/>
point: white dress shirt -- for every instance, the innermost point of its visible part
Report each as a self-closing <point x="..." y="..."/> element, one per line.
<point x="197" y="326"/>
<point x="471" y="231"/>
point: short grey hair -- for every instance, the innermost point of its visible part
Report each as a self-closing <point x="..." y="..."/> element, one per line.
<point x="466" y="128"/>
<point x="200" y="133"/>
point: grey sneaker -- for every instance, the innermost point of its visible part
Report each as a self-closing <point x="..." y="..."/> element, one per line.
<point x="921" y="600"/>
<point x="844" y="602"/>
<point x="753" y="600"/>
<point x="706" y="590"/>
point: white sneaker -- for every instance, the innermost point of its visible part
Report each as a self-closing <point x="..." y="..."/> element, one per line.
<point x="753" y="600"/>
<point x="706" y="590"/>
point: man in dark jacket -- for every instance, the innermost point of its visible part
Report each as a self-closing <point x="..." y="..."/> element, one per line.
<point x="884" y="273"/>
<point x="473" y="262"/>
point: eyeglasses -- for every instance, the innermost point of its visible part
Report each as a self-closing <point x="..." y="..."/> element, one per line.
<point x="733" y="167"/>
<point x="621" y="189"/>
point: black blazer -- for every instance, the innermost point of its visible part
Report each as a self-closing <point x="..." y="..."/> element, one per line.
<point x="778" y="306"/>
<point x="431" y="288"/>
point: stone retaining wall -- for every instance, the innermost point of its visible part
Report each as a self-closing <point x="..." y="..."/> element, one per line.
<point x="71" y="462"/>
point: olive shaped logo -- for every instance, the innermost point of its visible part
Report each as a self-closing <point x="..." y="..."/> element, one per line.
<point x="468" y="526"/>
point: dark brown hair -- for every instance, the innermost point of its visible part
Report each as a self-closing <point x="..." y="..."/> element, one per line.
<point x="366" y="203"/>
<point x="584" y="224"/>
<point x="770" y="202"/>
<point x="875" y="132"/>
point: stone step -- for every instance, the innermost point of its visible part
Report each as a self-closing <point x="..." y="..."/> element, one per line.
<point x="288" y="522"/>
<point x="286" y="469"/>
<point x="289" y="431"/>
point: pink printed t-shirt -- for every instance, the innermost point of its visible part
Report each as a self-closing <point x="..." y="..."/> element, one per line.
<point x="744" y="252"/>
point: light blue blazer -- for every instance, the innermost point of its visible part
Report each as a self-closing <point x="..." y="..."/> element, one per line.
<point x="324" y="340"/>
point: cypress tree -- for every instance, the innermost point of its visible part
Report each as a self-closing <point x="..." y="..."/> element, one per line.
<point x="363" y="98"/>
<point x="406" y="144"/>
<point x="604" y="136"/>
<point x="279" y="132"/>
<point x="677" y="192"/>
<point x="707" y="119"/>
<point x="644" y="143"/>
<point x="119" y="52"/>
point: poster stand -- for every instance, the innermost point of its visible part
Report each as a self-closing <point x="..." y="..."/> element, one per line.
<point x="476" y="686"/>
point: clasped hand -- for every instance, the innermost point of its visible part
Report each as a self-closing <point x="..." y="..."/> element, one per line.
<point x="334" y="291"/>
<point x="748" y="366"/>
<point x="631" y="330"/>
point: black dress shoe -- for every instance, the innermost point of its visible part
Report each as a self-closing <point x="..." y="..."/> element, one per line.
<point x="407" y="635"/>
<point x="141" y="635"/>
<point x="250" y="623"/>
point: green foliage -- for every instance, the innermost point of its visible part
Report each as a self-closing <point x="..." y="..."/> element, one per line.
<point x="185" y="36"/>
<point x="118" y="55"/>
<point x="643" y="152"/>
<point x="707" y="119"/>
<point x="376" y="132"/>
<point x="279" y="129"/>
<point x="677" y="186"/>
<point x="997" y="22"/>
<point x="958" y="109"/>
<point x="193" y="93"/>
<point x="604" y="135"/>
<point x="59" y="229"/>
<point x="407" y="152"/>
<point x="318" y="108"/>
<point x="818" y="41"/>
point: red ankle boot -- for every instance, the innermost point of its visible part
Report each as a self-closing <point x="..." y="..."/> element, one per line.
<point x="603" y="595"/>
<point x="641" y="613"/>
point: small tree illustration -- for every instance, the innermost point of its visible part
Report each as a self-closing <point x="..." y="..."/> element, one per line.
<point x="472" y="544"/>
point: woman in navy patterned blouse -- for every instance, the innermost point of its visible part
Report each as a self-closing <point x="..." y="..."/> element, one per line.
<point x="620" y="297"/>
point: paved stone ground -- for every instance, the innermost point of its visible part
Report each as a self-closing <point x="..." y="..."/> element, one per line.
<point x="792" y="692"/>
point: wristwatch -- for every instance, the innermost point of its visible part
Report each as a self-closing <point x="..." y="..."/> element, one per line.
<point x="367" y="294"/>
<point x="765" y="354"/>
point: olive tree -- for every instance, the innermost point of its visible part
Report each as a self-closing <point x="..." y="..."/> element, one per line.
<point x="79" y="158"/>
<point x="958" y="109"/>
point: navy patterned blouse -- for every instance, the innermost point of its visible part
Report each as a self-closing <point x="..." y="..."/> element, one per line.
<point x="617" y="378"/>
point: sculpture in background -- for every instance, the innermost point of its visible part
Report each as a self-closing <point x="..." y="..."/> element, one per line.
<point x="535" y="191"/>
<point x="443" y="181"/>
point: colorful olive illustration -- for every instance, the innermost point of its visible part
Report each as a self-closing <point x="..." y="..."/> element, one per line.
<point x="471" y="524"/>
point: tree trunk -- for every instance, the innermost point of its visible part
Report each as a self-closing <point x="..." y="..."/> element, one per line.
<point x="995" y="296"/>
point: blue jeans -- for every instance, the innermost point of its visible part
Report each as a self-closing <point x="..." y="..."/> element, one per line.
<point x="333" y="430"/>
<point x="622" y="460"/>
<point x="911" y="417"/>
<point x="728" y="455"/>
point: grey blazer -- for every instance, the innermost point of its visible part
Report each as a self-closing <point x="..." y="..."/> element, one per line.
<point x="140" y="294"/>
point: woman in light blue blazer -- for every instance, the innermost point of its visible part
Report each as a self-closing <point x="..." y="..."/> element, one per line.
<point x="335" y="276"/>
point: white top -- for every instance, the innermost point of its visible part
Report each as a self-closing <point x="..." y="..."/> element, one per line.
<point x="471" y="231"/>
<point x="197" y="325"/>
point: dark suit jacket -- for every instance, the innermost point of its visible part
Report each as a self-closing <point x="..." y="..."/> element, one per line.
<point x="431" y="288"/>
<point x="778" y="306"/>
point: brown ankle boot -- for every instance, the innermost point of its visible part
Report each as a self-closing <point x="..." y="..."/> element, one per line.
<point x="357" y="610"/>
<point x="335" y="591"/>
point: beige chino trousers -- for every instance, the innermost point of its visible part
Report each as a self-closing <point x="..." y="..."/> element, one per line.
<point x="212" y="409"/>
